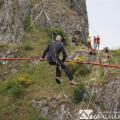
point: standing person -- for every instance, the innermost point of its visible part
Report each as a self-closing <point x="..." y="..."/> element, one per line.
<point x="89" y="43"/>
<point x="74" y="42"/>
<point x="107" y="54"/>
<point x="84" y="39"/>
<point x="53" y="51"/>
<point x="95" y="43"/>
<point x="98" y="42"/>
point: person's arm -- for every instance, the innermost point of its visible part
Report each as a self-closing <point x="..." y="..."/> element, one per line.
<point x="45" y="52"/>
<point x="64" y="54"/>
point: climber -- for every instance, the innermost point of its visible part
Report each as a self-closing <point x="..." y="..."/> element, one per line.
<point x="53" y="51"/>
<point x="98" y="42"/>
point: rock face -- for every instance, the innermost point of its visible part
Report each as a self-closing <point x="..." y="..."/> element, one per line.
<point x="109" y="97"/>
<point x="55" y="110"/>
<point x="12" y="15"/>
<point x="70" y="15"/>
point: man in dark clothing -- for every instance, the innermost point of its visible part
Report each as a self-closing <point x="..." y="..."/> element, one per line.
<point x="53" y="51"/>
<point x="98" y="42"/>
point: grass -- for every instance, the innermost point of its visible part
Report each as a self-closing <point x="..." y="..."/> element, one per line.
<point x="81" y="94"/>
<point x="116" y="56"/>
<point x="15" y="98"/>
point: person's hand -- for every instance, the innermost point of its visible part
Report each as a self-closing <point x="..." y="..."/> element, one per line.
<point x="41" y="59"/>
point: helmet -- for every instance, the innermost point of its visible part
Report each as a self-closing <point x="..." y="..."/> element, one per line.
<point x="58" y="37"/>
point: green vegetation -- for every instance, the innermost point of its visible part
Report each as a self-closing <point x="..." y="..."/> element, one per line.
<point x="26" y="22"/>
<point x="35" y="81"/>
<point x="3" y="47"/>
<point x="58" y="31"/>
<point x="82" y="94"/>
<point x="116" y="56"/>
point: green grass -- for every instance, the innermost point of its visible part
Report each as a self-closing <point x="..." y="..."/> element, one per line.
<point x="15" y="98"/>
<point x="116" y="56"/>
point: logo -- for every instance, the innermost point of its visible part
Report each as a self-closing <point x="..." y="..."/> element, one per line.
<point x="86" y="114"/>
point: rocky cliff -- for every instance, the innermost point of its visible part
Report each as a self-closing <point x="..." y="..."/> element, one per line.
<point x="12" y="15"/>
<point x="17" y="15"/>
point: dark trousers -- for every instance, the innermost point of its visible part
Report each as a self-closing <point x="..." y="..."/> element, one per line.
<point x="60" y="65"/>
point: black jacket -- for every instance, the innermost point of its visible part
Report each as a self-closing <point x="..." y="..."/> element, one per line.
<point x="53" y="51"/>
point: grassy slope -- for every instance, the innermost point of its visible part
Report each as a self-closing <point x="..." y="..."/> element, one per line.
<point x="42" y="75"/>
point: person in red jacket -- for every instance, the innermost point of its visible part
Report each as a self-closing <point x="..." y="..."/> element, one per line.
<point x="98" y="42"/>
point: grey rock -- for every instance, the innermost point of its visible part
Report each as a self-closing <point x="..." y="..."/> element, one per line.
<point x="12" y="15"/>
<point x="109" y="96"/>
<point x="70" y="15"/>
<point x="57" y="111"/>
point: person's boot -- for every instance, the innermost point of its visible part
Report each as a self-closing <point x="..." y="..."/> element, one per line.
<point x="58" y="81"/>
<point x="73" y="83"/>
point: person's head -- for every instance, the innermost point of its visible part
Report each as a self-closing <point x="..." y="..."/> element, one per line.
<point x="98" y="36"/>
<point x="58" y="38"/>
<point x="106" y="49"/>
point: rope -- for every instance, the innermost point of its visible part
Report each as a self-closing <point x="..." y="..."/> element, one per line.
<point x="77" y="62"/>
<point x="85" y="87"/>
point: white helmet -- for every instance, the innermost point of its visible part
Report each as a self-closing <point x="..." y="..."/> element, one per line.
<point x="58" y="37"/>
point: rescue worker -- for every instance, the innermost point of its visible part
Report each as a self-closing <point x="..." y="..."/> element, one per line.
<point x="95" y="43"/>
<point x="89" y="43"/>
<point x="53" y="51"/>
<point x="98" y="42"/>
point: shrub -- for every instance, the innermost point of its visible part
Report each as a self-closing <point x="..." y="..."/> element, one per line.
<point x="81" y="93"/>
<point x="73" y="66"/>
<point x="28" y="48"/>
<point x="17" y="90"/>
<point x="26" y="22"/>
<point x="14" y="89"/>
<point x="2" y="47"/>
<point x="81" y="59"/>
<point x="58" y="31"/>
<point x="84" y="71"/>
<point x="24" y="80"/>
<point x="79" y="69"/>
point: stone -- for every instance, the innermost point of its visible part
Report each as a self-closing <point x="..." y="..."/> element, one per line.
<point x="70" y="15"/>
